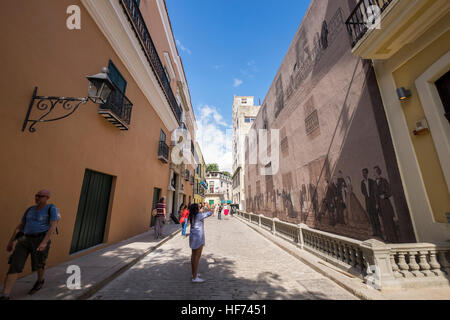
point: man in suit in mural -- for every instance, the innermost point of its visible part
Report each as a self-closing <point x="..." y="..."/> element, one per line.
<point x="385" y="209"/>
<point x="368" y="189"/>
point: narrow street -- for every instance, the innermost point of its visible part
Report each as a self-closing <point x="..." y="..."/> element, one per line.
<point x="237" y="263"/>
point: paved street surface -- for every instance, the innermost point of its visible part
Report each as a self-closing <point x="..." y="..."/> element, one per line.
<point x="237" y="263"/>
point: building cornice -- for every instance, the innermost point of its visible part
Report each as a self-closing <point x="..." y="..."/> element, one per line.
<point x="173" y="50"/>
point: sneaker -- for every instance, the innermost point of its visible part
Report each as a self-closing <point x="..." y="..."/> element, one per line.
<point x="37" y="286"/>
<point x="199" y="280"/>
<point x="4" y="298"/>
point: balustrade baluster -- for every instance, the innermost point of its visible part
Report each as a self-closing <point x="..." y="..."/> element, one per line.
<point x="404" y="268"/>
<point x="339" y="251"/>
<point x="445" y="264"/>
<point x="434" y="264"/>
<point x="395" y="267"/>
<point x="413" y="264"/>
<point x="328" y="241"/>
<point x="335" y="252"/>
<point x="353" y="257"/>
<point x="346" y="255"/>
<point x="423" y="263"/>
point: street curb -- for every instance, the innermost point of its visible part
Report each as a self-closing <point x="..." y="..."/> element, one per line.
<point x="355" y="291"/>
<point x="95" y="288"/>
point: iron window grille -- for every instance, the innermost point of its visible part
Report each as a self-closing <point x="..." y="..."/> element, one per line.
<point x="357" y="21"/>
<point x="163" y="152"/>
<point x="139" y="26"/>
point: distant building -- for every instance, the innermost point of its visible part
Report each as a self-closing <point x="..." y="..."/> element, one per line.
<point x="244" y="113"/>
<point x="200" y="184"/>
<point x="219" y="187"/>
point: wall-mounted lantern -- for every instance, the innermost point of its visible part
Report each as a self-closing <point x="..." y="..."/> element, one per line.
<point x="100" y="87"/>
<point x="403" y="94"/>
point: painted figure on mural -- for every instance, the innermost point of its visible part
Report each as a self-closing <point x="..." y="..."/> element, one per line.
<point x="384" y="206"/>
<point x="329" y="202"/>
<point x="355" y="211"/>
<point x="368" y="189"/>
<point x="340" y="198"/>
<point x="303" y="199"/>
<point x="314" y="198"/>
<point x="288" y="206"/>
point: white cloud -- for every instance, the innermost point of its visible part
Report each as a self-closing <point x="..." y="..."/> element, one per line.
<point x="183" y="48"/>
<point x="214" y="136"/>
<point x="250" y="70"/>
<point x="237" y="82"/>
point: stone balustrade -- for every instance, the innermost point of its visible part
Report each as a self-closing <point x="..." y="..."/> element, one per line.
<point x="382" y="266"/>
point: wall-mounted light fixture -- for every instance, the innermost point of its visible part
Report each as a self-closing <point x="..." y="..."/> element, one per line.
<point x="421" y="127"/>
<point x="403" y="93"/>
<point x="100" y="87"/>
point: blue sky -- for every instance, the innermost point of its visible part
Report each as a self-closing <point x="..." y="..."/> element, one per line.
<point x="230" y="47"/>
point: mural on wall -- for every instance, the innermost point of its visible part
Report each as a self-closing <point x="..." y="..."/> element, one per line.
<point x="336" y="173"/>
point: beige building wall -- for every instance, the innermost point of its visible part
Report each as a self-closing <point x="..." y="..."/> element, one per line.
<point x="417" y="56"/>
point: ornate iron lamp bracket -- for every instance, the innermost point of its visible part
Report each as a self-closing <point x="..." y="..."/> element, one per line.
<point x="47" y="105"/>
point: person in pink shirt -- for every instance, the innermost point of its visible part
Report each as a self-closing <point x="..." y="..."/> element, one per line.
<point x="184" y="219"/>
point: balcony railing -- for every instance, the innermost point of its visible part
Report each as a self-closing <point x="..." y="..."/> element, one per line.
<point x="163" y="152"/>
<point x="131" y="8"/>
<point x="117" y="110"/>
<point x="357" y="22"/>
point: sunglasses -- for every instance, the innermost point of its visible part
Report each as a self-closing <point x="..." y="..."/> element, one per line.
<point x="39" y="196"/>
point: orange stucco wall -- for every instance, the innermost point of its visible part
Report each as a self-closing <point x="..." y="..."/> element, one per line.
<point x="42" y="52"/>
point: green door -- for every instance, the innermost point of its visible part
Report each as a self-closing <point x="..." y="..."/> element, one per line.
<point x="92" y="211"/>
<point x="156" y="197"/>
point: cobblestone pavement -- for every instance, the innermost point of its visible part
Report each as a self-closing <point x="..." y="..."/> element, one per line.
<point x="237" y="263"/>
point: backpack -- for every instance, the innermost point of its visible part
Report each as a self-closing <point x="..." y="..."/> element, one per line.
<point x="20" y="233"/>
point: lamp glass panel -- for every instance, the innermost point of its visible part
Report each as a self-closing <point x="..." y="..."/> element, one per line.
<point x="93" y="89"/>
<point x="104" y="92"/>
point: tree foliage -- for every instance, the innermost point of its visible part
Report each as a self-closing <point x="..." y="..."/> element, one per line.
<point x="212" y="167"/>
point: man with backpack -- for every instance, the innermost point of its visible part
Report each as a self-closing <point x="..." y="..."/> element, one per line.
<point x="33" y="238"/>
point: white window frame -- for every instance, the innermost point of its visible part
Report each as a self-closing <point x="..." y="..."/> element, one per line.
<point x="434" y="111"/>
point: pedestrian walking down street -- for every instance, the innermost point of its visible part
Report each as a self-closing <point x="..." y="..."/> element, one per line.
<point x="33" y="238"/>
<point x="219" y="213"/>
<point x="160" y="217"/>
<point x="226" y="210"/>
<point x="197" y="237"/>
<point x="184" y="219"/>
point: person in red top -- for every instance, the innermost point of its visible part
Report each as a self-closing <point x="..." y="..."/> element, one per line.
<point x="160" y="217"/>
<point x="184" y="219"/>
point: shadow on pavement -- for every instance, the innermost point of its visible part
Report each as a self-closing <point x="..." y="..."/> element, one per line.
<point x="167" y="275"/>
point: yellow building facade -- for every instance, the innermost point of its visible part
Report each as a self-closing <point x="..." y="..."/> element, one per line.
<point x="410" y="51"/>
<point x="200" y="172"/>
<point x="99" y="162"/>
